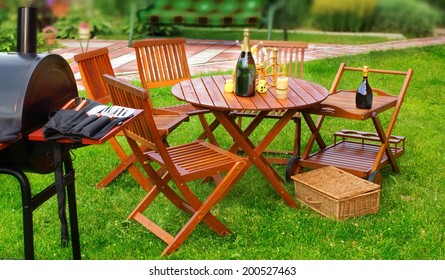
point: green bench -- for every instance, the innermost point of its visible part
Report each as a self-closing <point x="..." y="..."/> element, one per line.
<point x="203" y="12"/>
<point x="215" y="13"/>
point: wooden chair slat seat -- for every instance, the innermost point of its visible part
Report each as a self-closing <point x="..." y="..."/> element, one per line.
<point x="194" y="158"/>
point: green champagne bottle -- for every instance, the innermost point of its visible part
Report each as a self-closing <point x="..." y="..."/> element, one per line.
<point x="245" y="70"/>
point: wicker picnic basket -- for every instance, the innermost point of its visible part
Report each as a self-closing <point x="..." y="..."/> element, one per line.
<point x="335" y="193"/>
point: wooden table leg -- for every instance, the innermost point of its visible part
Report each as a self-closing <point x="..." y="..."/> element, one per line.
<point x="248" y="131"/>
<point x="255" y="153"/>
<point x="315" y="136"/>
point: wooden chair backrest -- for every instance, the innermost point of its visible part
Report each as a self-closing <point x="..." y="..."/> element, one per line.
<point x="92" y="65"/>
<point x="161" y="62"/>
<point x="144" y="129"/>
<point x="290" y="54"/>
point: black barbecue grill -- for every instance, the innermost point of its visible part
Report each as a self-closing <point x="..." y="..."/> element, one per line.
<point x="32" y="86"/>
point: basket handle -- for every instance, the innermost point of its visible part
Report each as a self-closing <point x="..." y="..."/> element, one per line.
<point x="310" y="201"/>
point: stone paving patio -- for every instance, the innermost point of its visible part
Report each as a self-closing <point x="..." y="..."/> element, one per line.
<point x="212" y="55"/>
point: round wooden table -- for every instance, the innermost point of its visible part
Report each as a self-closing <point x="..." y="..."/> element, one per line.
<point x="208" y="92"/>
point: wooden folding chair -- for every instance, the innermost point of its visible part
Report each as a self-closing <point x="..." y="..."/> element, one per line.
<point x="360" y="153"/>
<point x="92" y="65"/>
<point x="290" y="54"/>
<point x="163" y="62"/>
<point x="184" y="163"/>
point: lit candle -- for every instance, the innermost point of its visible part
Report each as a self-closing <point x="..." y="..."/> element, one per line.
<point x="282" y="83"/>
<point x="228" y="86"/>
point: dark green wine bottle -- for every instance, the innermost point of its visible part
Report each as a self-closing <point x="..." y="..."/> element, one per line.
<point x="245" y="70"/>
<point x="363" y="96"/>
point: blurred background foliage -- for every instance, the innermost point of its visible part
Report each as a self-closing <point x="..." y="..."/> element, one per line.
<point x="413" y="18"/>
<point x="346" y="15"/>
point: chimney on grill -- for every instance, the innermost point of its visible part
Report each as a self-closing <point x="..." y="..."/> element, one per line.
<point x="27" y="30"/>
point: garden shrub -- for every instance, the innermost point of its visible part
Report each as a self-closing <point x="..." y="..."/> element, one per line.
<point x="345" y="15"/>
<point x="413" y="18"/>
<point x="296" y="13"/>
<point x="8" y="36"/>
<point x="67" y="27"/>
<point x="8" y="33"/>
<point x="440" y="5"/>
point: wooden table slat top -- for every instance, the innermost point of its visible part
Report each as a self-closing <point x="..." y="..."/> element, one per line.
<point x="209" y="92"/>
<point x="313" y="92"/>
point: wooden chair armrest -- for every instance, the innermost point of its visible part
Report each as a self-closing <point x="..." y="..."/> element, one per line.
<point x="161" y="111"/>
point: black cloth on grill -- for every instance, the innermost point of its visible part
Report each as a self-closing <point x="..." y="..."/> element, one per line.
<point x="76" y="124"/>
<point x="9" y="134"/>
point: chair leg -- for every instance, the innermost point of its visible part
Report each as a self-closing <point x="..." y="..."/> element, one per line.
<point x="208" y="130"/>
<point x="160" y="180"/>
<point x="200" y="211"/>
<point x="137" y="213"/>
<point x="170" y="194"/>
<point x="204" y="210"/>
<point x="127" y="162"/>
<point x="147" y="223"/>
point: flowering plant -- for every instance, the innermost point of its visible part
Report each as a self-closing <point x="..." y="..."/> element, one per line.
<point x="84" y="31"/>
<point x="84" y="25"/>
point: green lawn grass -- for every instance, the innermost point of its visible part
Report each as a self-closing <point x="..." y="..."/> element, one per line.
<point x="409" y="225"/>
<point x="261" y="34"/>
